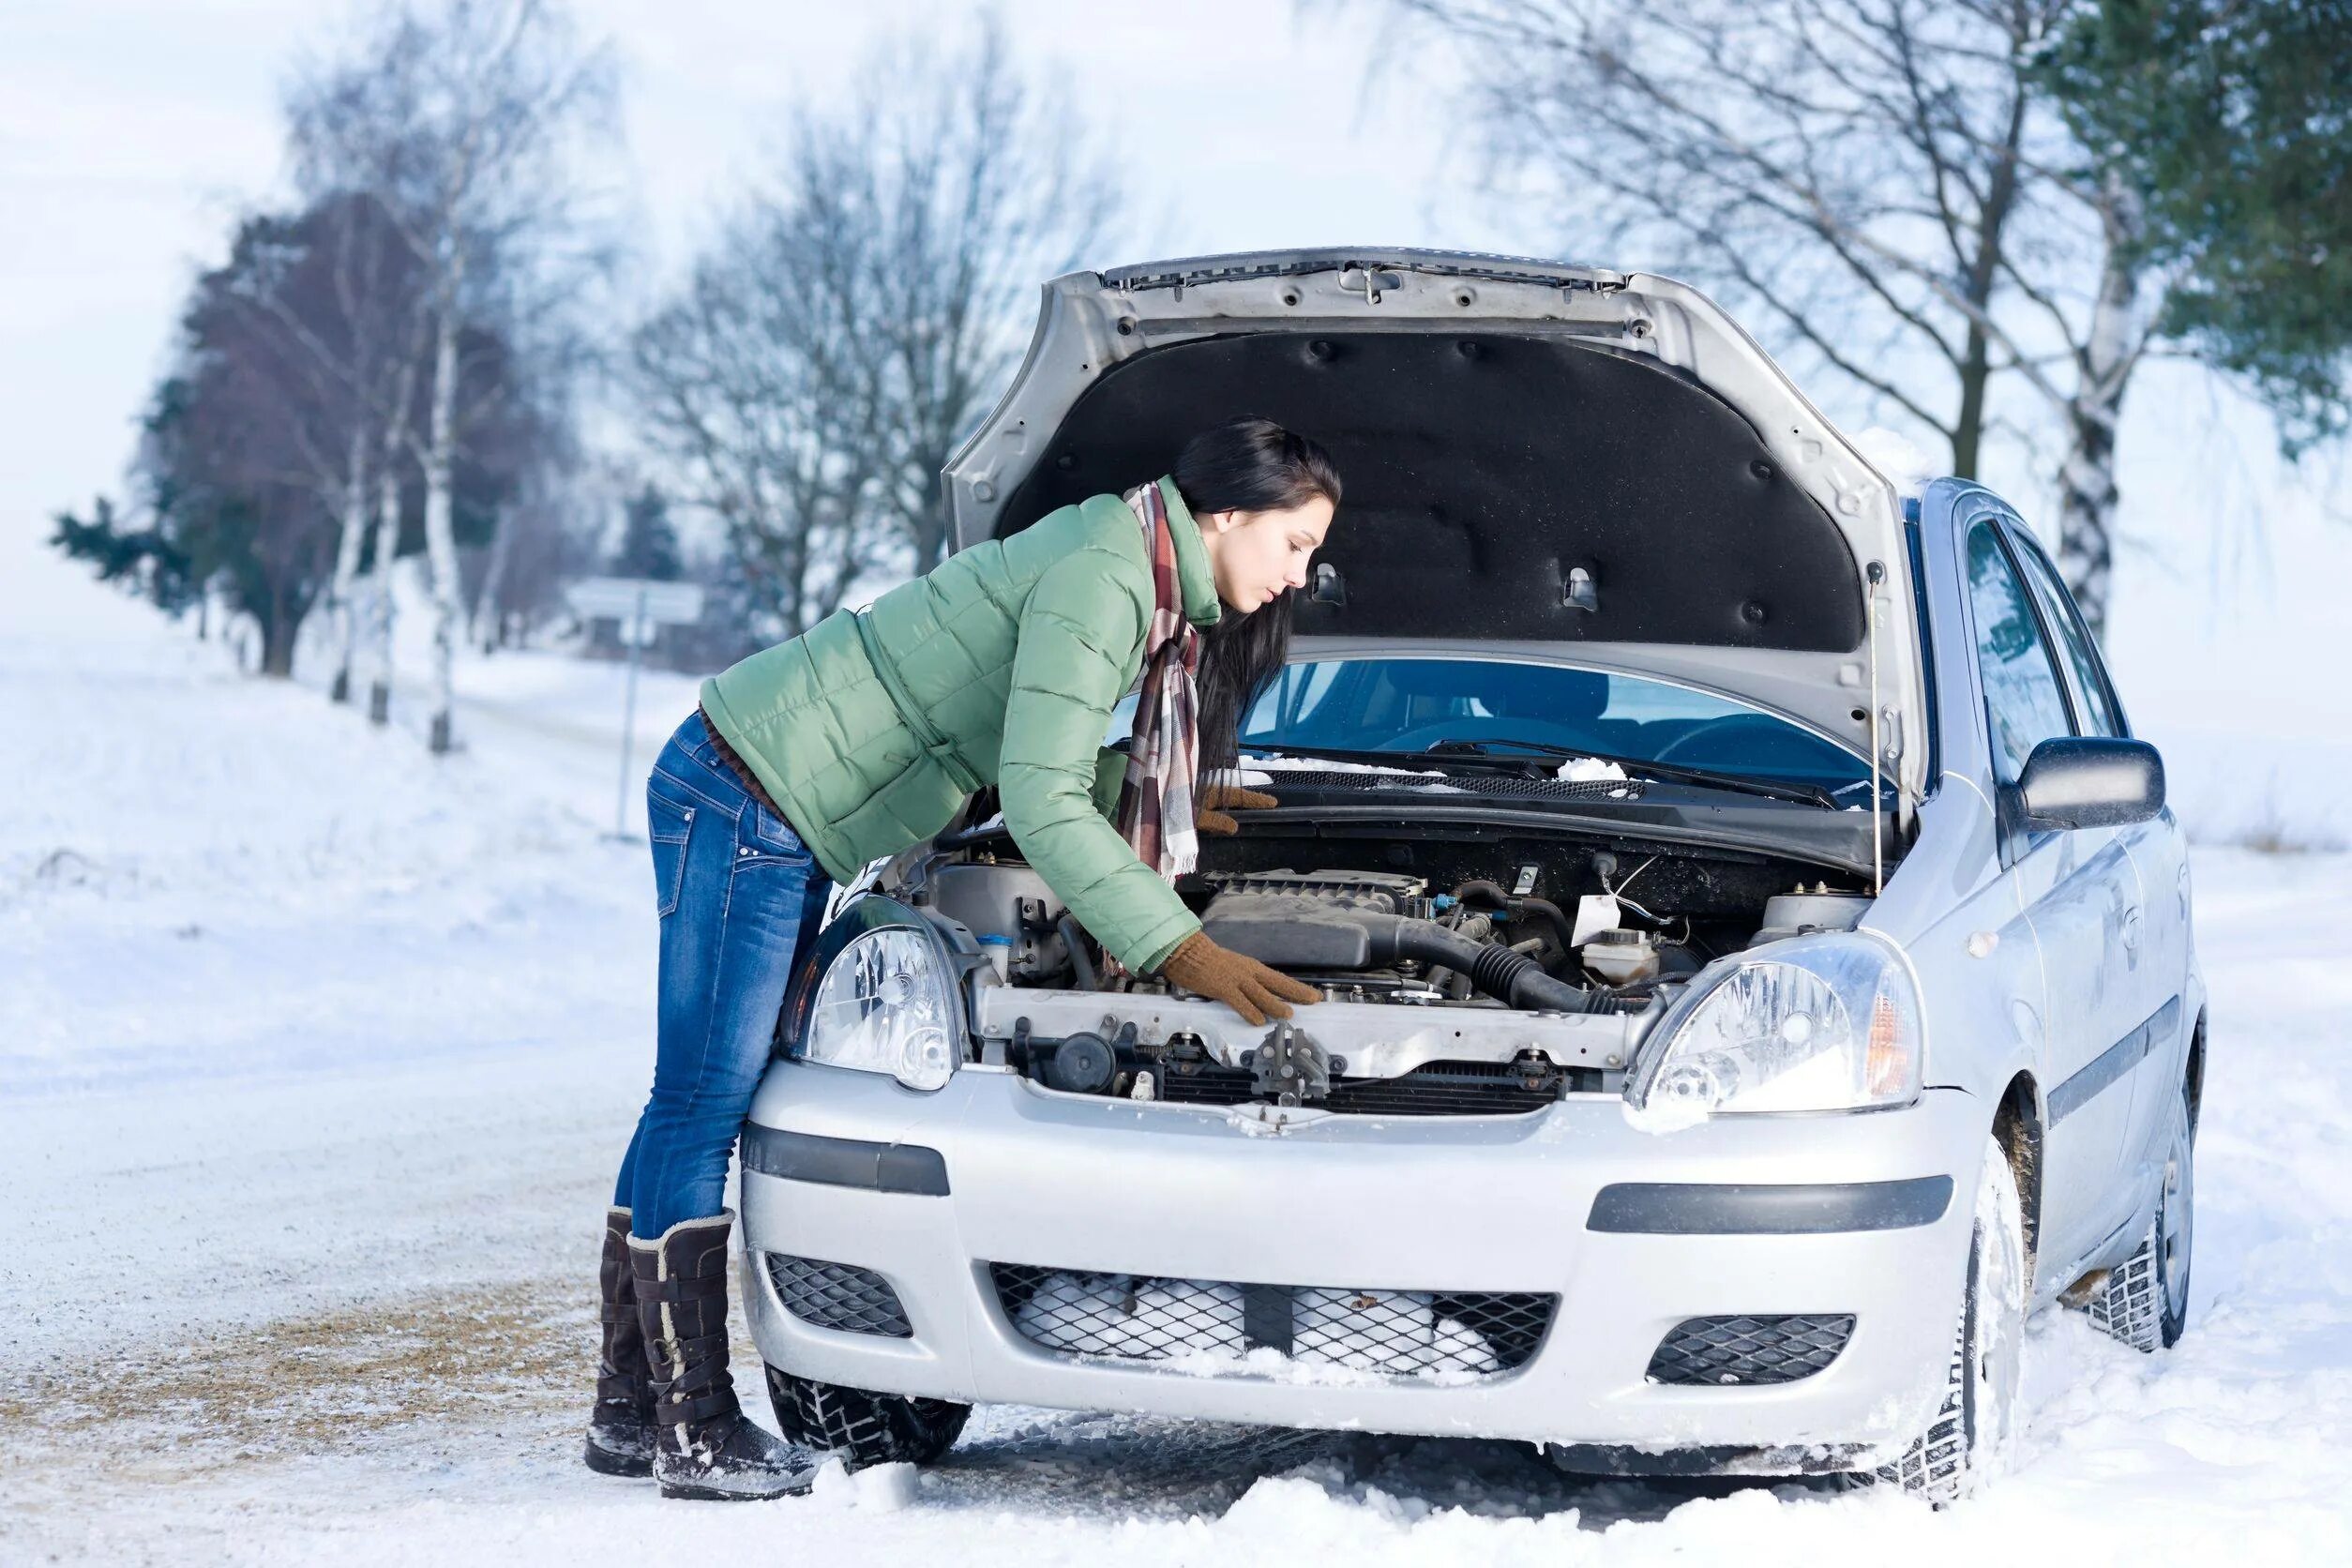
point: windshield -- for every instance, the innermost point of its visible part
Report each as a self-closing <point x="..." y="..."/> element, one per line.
<point x="1415" y="705"/>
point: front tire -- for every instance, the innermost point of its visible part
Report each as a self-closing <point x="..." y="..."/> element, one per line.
<point x="2144" y="1301"/>
<point x="1965" y="1444"/>
<point x="863" y="1428"/>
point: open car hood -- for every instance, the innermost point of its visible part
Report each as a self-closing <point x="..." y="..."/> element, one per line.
<point x="1604" y="463"/>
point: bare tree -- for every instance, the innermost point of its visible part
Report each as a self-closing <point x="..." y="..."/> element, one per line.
<point x="516" y="582"/>
<point x="462" y="123"/>
<point x="338" y="312"/>
<point x="745" y="389"/>
<point x="956" y="186"/>
<point x="237" y="492"/>
<point x="1887" y="186"/>
<point x="855" y="318"/>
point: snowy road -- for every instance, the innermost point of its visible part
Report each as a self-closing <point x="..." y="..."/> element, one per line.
<point x="315" y="1058"/>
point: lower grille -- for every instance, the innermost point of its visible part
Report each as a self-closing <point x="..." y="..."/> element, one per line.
<point x="1408" y="1334"/>
<point x="839" y="1296"/>
<point x="1778" y="1350"/>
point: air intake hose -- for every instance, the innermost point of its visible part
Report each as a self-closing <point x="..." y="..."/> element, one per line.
<point x="1494" y="969"/>
<point x="1293" y="930"/>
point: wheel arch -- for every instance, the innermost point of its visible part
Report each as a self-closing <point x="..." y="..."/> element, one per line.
<point x="2018" y="1127"/>
<point x="2193" y="1078"/>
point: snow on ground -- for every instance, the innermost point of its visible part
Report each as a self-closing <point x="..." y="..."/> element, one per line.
<point x="316" y="1056"/>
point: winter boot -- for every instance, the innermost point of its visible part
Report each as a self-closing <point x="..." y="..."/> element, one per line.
<point x="703" y="1447"/>
<point x="621" y="1429"/>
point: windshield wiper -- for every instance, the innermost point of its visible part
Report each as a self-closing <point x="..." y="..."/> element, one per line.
<point x="1400" y="761"/>
<point x="1808" y="794"/>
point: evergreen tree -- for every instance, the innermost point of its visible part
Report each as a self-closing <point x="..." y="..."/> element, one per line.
<point x="243" y="476"/>
<point x="221" y="512"/>
<point x="229" y="472"/>
<point x="2232" y="121"/>
<point x="145" y="560"/>
<point x="649" y="540"/>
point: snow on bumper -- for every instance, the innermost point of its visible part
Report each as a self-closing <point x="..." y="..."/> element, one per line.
<point x="1634" y="1233"/>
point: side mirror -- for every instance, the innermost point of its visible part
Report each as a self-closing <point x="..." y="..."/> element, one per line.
<point x="2090" y="781"/>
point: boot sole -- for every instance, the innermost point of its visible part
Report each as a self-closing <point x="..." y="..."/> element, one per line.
<point x="712" y="1494"/>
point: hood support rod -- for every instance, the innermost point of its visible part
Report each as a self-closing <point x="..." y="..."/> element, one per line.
<point x="1877" y="572"/>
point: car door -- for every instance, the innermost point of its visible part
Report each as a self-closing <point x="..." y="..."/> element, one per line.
<point x="2155" y="936"/>
<point x="2076" y="890"/>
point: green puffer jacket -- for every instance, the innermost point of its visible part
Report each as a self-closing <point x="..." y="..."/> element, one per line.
<point x="1012" y="653"/>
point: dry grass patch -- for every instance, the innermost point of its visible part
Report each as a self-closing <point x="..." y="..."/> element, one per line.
<point x="310" y="1387"/>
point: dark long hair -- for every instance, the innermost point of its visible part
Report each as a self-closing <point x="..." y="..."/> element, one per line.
<point x="1247" y="465"/>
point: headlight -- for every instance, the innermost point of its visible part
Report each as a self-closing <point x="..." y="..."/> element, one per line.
<point x="1823" y="1022"/>
<point x="883" y="1007"/>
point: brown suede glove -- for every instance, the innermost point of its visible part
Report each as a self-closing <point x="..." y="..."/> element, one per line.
<point x="1209" y="815"/>
<point x="1243" y="984"/>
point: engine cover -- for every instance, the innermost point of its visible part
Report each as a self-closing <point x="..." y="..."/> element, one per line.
<point x="1312" y="920"/>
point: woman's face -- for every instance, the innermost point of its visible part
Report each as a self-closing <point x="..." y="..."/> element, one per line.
<point x="1256" y="555"/>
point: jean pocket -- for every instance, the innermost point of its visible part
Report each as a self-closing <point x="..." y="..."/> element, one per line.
<point x="668" y="825"/>
<point x="769" y="837"/>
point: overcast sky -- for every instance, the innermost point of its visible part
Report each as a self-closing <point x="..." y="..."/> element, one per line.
<point x="132" y="131"/>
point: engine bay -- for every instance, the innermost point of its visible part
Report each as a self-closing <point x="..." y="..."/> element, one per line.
<point x="1464" y="969"/>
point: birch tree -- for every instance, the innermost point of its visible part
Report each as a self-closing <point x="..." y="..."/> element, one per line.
<point x="462" y="120"/>
<point x="393" y="455"/>
<point x="1887" y="188"/>
<point x="2230" y="126"/>
<point x="339" y="312"/>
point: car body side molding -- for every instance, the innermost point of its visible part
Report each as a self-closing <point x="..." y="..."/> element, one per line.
<point x="1739" y="1208"/>
<point x="845" y="1162"/>
<point x="2110" y="1065"/>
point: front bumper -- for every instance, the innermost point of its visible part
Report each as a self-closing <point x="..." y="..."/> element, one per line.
<point x="1438" y="1204"/>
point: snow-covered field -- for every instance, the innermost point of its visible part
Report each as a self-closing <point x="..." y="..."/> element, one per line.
<point x="315" y="1058"/>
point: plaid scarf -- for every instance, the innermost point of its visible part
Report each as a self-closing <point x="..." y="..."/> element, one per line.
<point x="1155" y="804"/>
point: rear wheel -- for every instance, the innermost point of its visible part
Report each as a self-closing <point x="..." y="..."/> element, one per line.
<point x="863" y="1428"/>
<point x="1973" y="1424"/>
<point x="2144" y="1301"/>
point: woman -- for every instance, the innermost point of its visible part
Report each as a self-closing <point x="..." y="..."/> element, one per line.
<point x="868" y="734"/>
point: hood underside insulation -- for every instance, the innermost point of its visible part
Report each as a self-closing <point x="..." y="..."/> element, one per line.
<point x="1482" y="471"/>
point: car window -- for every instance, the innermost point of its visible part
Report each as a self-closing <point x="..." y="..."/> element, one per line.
<point x="2099" y="714"/>
<point x="2023" y="702"/>
<point x="1413" y="704"/>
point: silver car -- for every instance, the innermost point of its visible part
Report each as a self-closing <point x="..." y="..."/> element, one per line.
<point x="1757" y="956"/>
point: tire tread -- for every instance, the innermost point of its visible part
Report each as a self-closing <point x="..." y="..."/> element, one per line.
<point x="2128" y="1308"/>
<point x="864" y="1428"/>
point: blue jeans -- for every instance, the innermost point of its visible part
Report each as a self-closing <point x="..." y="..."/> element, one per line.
<point x="740" y="899"/>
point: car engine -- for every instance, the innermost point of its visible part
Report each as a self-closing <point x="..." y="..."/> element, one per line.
<point x="1390" y="937"/>
<point x="1541" y="1002"/>
<point x="1351" y="925"/>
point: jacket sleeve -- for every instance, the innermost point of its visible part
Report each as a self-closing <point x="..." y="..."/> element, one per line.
<point x="1079" y="631"/>
<point x="1111" y="776"/>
